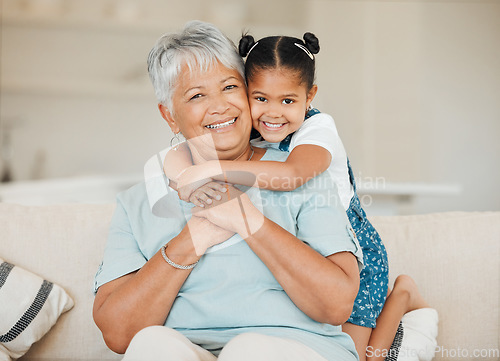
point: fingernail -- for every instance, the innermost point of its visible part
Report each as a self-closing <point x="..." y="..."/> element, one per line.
<point x="218" y="197"/>
<point x="209" y="201"/>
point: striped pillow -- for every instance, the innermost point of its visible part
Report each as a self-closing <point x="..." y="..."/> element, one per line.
<point x="30" y="306"/>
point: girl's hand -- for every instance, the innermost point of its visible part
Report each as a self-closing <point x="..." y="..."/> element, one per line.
<point x="194" y="177"/>
<point x="207" y="194"/>
<point x="233" y="212"/>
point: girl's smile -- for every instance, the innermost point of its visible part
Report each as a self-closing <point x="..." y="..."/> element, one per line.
<point x="278" y="102"/>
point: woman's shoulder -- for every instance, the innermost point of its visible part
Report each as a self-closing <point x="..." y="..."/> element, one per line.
<point x="272" y="153"/>
<point x="133" y="196"/>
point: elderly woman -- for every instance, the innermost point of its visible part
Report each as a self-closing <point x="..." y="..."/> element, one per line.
<point x="232" y="282"/>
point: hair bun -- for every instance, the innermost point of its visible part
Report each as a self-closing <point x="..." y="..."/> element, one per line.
<point x="312" y="42"/>
<point x="246" y="43"/>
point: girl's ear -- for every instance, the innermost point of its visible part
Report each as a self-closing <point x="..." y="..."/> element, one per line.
<point x="165" y="113"/>
<point x="311" y="94"/>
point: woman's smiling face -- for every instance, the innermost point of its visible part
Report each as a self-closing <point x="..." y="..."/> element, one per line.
<point x="211" y="109"/>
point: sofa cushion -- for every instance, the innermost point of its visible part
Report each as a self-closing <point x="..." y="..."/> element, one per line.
<point x="63" y="244"/>
<point x="30" y="307"/>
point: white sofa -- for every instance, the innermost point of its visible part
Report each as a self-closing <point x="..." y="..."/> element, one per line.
<point x="454" y="258"/>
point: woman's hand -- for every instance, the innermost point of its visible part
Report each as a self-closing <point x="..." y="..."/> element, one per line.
<point x="233" y="212"/>
<point x="205" y="234"/>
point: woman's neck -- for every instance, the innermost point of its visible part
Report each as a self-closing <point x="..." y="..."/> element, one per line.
<point x="244" y="155"/>
<point x="247" y="154"/>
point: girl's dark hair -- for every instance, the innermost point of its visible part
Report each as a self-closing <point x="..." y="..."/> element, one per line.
<point x="281" y="52"/>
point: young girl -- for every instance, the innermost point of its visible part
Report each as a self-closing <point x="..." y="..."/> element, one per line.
<point x="280" y="74"/>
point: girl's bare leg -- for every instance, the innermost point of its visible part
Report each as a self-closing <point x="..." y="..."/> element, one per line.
<point x="360" y="335"/>
<point x="405" y="297"/>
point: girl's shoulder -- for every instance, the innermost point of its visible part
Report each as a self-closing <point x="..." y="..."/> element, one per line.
<point x="316" y="120"/>
<point x="318" y="129"/>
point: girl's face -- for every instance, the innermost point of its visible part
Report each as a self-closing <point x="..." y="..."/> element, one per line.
<point x="278" y="102"/>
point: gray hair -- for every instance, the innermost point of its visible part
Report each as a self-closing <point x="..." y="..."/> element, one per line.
<point x="199" y="45"/>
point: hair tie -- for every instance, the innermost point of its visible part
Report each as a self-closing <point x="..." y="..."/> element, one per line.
<point x="309" y="54"/>
<point x="253" y="46"/>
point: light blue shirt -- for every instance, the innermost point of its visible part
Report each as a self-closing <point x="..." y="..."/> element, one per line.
<point x="231" y="291"/>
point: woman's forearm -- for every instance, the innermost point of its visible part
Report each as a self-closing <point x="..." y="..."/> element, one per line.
<point x="126" y="305"/>
<point x="323" y="288"/>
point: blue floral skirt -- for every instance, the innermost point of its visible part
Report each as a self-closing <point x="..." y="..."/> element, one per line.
<point x="374" y="277"/>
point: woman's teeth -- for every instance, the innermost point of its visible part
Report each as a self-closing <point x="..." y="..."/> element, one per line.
<point x="273" y="125"/>
<point x="221" y="125"/>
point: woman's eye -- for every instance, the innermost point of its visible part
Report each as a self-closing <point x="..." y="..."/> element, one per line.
<point x="196" y="96"/>
<point x="229" y="87"/>
<point x="287" y="101"/>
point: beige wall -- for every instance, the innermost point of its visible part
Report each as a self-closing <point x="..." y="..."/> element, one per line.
<point x="414" y="86"/>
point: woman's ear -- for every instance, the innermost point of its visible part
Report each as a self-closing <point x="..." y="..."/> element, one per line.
<point x="165" y="113"/>
<point x="311" y="94"/>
